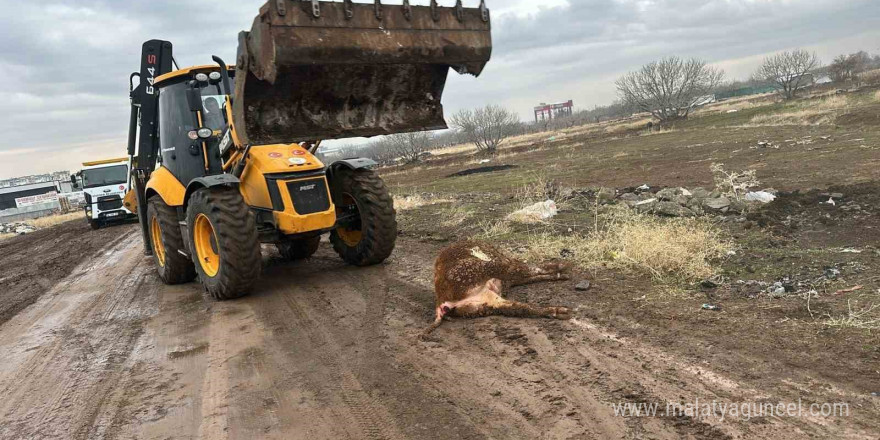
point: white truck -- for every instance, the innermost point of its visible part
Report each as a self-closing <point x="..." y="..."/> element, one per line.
<point x="104" y="184"/>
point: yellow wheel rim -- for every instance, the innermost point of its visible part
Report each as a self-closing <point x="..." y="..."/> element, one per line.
<point x="156" y="235"/>
<point x="205" y="240"/>
<point x="351" y="237"/>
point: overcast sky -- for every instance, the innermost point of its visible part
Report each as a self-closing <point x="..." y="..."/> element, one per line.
<point x="64" y="65"/>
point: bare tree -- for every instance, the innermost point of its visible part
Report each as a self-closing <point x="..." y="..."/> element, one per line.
<point x="670" y="88"/>
<point x="788" y="71"/>
<point x="848" y="67"/>
<point x="486" y="127"/>
<point x="409" y="146"/>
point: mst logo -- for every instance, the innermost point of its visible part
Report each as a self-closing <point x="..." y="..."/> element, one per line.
<point x="307" y="187"/>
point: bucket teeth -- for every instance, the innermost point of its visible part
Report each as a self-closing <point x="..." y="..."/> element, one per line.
<point x="325" y="70"/>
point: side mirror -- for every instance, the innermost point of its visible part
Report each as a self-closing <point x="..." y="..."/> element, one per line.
<point x="194" y="98"/>
<point x="73" y="181"/>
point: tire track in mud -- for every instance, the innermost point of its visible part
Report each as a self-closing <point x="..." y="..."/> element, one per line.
<point x="323" y="350"/>
<point x="374" y="421"/>
<point x="97" y="322"/>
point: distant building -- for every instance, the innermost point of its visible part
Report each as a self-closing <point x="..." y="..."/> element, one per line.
<point x="28" y="201"/>
<point x="545" y="112"/>
<point x="57" y="176"/>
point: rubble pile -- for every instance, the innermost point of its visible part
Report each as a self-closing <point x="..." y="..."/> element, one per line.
<point x="683" y="202"/>
<point x="16" y="228"/>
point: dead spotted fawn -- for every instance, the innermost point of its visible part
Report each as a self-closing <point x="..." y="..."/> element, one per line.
<point x="469" y="276"/>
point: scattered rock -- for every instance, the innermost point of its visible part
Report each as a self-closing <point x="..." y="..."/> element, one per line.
<point x="738" y="207"/>
<point x="832" y="273"/>
<point x="717" y="203"/>
<point x="699" y="193"/>
<point x="16" y="228"/>
<point x="646" y="205"/>
<point x="767" y="144"/>
<point x="583" y="286"/>
<point x="712" y="283"/>
<point x="666" y="194"/>
<point x="630" y="199"/>
<point x="776" y="290"/>
<point x="673" y="209"/>
<point x="606" y="194"/>
<point x="682" y="199"/>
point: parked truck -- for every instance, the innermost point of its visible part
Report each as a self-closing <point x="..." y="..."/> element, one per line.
<point x="104" y="183"/>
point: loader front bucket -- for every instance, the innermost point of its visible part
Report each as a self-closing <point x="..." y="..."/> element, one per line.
<point x="311" y="70"/>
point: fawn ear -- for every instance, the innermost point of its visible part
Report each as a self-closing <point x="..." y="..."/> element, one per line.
<point x="494" y="285"/>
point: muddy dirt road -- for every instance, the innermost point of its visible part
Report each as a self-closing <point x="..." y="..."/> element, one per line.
<point x="323" y="350"/>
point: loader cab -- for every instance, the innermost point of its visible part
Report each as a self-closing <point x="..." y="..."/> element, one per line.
<point x="192" y="120"/>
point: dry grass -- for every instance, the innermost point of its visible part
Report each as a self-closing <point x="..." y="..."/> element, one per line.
<point x="534" y="190"/>
<point x="668" y="249"/>
<point x="454" y="216"/>
<point x="490" y="229"/>
<point x="811" y="112"/>
<point x="733" y="184"/>
<point x="405" y="203"/>
<point x="660" y="131"/>
<point x="876" y="96"/>
<point x="627" y="126"/>
<point x="737" y="104"/>
<point x="52" y="220"/>
<point x="867" y="318"/>
<point x="870" y="77"/>
<point x="455" y="149"/>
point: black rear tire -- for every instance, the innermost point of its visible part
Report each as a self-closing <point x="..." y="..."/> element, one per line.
<point x="173" y="267"/>
<point x="299" y="249"/>
<point x="232" y="265"/>
<point x="371" y="239"/>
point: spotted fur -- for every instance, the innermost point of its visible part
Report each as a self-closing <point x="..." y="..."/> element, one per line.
<point x="469" y="277"/>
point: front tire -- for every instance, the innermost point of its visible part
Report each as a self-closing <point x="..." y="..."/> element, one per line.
<point x="167" y="240"/>
<point x="94" y="224"/>
<point x="299" y="249"/>
<point x="370" y="238"/>
<point x="224" y="243"/>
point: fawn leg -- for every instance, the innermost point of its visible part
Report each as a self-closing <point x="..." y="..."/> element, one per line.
<point x="523" y="310"/>
<point x="538" y="278"/>
<point x="442" y="310"/>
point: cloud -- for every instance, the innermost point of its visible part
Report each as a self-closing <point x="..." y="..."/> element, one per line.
<point x="64" y="65"/>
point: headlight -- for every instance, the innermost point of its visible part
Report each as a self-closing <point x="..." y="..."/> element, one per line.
<point x="215" y="76"/>
<point x="201" y="77"/>
<point x="193" y="134"/>
<point x="205" y="133"/>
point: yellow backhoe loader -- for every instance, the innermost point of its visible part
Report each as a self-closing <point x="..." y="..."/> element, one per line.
<point x="224" y="156"/>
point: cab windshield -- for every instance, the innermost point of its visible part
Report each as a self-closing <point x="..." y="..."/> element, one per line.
<point x="213" y="110"/>
<point x="105" y="176"/>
